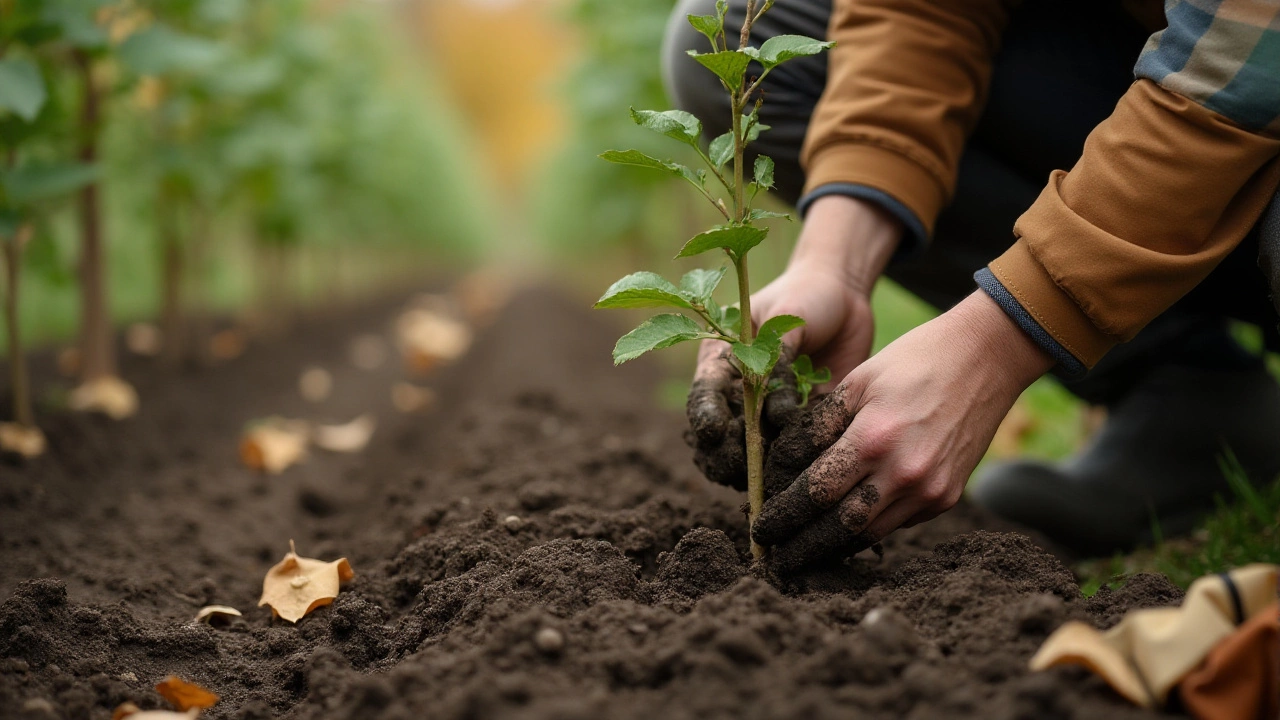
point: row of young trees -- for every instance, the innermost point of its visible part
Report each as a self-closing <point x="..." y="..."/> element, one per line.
<point x="280" y="122"/>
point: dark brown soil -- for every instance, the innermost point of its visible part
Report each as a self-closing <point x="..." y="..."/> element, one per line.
<point x="618" y="590"/>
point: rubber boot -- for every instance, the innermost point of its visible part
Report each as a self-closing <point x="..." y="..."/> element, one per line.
<point x="1153" y="470"/>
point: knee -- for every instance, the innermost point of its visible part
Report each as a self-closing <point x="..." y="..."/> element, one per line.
<point x="689" y="86"/>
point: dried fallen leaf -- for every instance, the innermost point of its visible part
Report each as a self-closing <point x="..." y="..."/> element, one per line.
<point x="228" y="344"/>
<point x="108" y="395"/>
<point x="298" y="585"/>
<point x="368" y="352"/>
<point x="349" y="438"/>
<point x="26" y="441"/>
<point x="185" y="695"/>
<point x="428" y="338"/>
<point x="131" y="711"/>
<point x="209" y="612"/>
<point x="143" y="339"/>
<point x="315" y="384"/>
<point x="274" y="444"/>
<point x="408" y="398"/>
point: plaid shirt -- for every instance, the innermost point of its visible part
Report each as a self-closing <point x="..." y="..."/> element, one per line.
<point x="1222" y="54"/>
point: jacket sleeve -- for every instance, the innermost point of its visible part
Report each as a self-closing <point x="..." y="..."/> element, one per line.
<point x="907" y="82"/>
<point x="1166" y="187"/>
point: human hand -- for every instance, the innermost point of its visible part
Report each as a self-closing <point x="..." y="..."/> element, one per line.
<point x="843" y="249"/>
<point x="895" y="443"/>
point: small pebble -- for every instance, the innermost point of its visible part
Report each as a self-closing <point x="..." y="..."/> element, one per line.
<point x="128" y="677"/>
<point x="549" y="640"/>
<point x="513" y="523"/>
<point x="638" y="628"/>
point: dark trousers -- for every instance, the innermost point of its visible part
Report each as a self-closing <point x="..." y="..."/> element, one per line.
<point x="1060" y="71"/>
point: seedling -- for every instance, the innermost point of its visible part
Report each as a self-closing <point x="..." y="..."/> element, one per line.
<point x="755" y="351"/>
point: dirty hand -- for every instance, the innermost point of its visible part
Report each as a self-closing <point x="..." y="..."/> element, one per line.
<point x="844" y="247"/>
<point x="895" y="443"/>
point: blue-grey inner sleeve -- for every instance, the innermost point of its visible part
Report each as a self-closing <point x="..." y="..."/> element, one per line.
<point x="1069" y="365"/>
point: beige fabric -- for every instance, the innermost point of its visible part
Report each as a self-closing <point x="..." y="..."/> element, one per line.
<point x="1150" y="651"/>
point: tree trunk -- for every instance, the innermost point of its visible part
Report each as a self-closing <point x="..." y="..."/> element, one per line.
<point x="97" y="345"/>
<point x="172" y="318"/>
<point x="22" y="412"/>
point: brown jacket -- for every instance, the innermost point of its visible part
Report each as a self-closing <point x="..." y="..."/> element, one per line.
<point x="1164" y="190"/>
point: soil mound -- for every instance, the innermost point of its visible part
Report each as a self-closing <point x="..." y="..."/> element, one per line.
<point x="539" y="545"/>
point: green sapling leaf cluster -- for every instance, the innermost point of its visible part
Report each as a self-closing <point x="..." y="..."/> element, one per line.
<point x="755" y="352"/>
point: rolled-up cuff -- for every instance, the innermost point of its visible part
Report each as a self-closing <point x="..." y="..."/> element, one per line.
<point x="916" y="238"/>
<point x="1071" y="367"/>
<point x="1052" y="309"/>
<point x="885" y="169"/>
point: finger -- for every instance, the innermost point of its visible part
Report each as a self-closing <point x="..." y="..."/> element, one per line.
<point x="838" y="533"/>
<point x="724" y="462"/>
<point x="823" y="484"/>
<point x="805" y="439"/>
<point x="708" y="408"/>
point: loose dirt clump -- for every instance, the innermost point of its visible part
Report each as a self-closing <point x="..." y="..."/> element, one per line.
<point x="621" y="588"/>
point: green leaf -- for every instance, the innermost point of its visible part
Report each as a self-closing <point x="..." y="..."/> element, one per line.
<point x="764" y="171"/>
<point x="721" y="149"/>
<point x="642" y="289"/>
<point x="728" y="65"/>
<point x="754" y="126"/>
<point x="33" y="183"/>
<point x="675" y="124"/>
<point x="22" y="90"/>
<point x="709" y="25"/>
<point x="758" y="214"/>
<point x="737" y="239"/>
<point x="697" y="285"/>
<point x="781" y="48"/>
<point x="657" y="332"/>
<point x="755" y="357"/>
<point x="635" y="157"/>
<point x="762" y="354"/>
<point x="732" y="320"/>
<point x="779" y="325"/>
<point x="807" y="378"/>
<point x="160" y="50"/>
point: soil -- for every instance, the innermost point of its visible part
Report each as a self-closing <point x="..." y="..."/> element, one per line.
<point x="538" y="545"/>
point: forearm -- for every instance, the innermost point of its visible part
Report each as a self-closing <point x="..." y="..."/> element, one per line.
<point x="852" y="237"/>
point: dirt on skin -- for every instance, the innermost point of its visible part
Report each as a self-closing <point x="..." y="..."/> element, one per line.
<point x="539" y="545"/>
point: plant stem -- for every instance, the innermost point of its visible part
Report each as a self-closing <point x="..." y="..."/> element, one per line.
<point x="752" y="394"/>
<point x="97" y="352"/>
<point x="22" y="413"/>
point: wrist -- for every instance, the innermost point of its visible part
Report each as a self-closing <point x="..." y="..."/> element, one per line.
<point x="994" y="335"/>
<point x="850" y="236"/>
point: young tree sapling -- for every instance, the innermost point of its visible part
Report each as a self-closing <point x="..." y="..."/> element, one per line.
<point x="755" y="351"/>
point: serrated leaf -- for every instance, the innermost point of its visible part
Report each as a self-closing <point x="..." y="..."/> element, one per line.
<point x="699" y="284"/>
<point x="721" y="149"/>
<point x="639" y="159"/>
<point x="709" y="25"/>
<point x="755" y="357"/>
<point x="737" y="239"/>
<point x="781" y="48"/>
<point x="675" y="124"/>
<point x="33" y="183"/>
<point x="22" y="90"/>
<point x="758" y="214"/>
<point x="728" y="65"/>
<point x="659" y="331"/>
<point x="779" y="325"/>
<point x="642" y="289"/>
<point x="764" y="171"/>
<point x="762" y="354"/>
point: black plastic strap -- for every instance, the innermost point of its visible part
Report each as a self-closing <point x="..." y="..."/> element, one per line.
<point x="1235" y="596"/>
